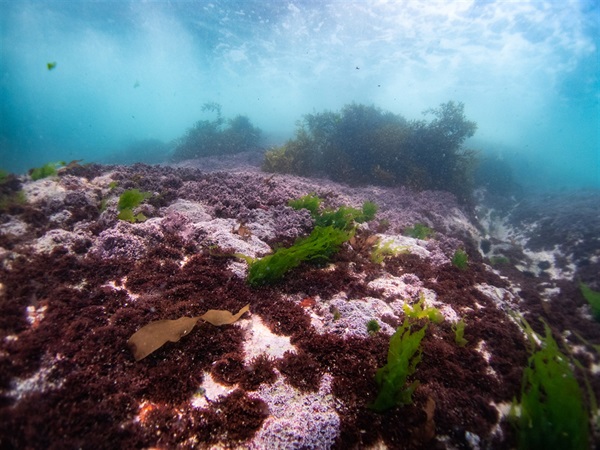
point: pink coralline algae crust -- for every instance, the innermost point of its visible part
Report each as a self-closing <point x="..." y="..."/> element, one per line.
<point x="74" y="242"/>
<point x="237" y="194"/>
<point x="354" y="315"/>
<point x="114" y="244"/>
<point x="396" y="288"/>
<point x="177" y="223"/>
<point x="70" y="194"/>
<point x="279" y="223"/>
<point x="298" y="420"/>
<point x="123" y="242"/>
<point x="231" y="196"/>
<point x="442" y="249"/>
<point x="412" y="283"/>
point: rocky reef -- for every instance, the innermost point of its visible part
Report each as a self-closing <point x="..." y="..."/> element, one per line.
<point x="298" y="370"/>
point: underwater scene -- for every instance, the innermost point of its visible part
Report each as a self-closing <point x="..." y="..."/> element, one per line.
<point x="300" y="224"/>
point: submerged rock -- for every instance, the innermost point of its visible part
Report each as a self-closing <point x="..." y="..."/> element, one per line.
<point x="299" y="370"/>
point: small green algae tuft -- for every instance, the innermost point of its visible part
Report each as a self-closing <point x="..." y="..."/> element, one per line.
<point x="419" y="231"/>
<point x="311" y="202"/>
<point x="129" y="200"/>
<point x="459" y="333"/>
<point x="499" y="260"/>
<point x="460" y="259"/>
<point x="593" y="298"/>
<point x="345" y="217"/>
<point x="45" y="171"/>
<point x="128" y="216"/>
<point x="373" y="326"/>
<point x="380" y="252"/>
<point x="3" y="176"/>
<point x="417" y="311"/>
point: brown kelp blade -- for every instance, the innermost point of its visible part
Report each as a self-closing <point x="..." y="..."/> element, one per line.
<point x="155" y="334"/>
<point x="220" y="317"/>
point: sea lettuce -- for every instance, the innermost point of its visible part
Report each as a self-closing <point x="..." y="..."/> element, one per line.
<point x="552" y="411"/>
<point x="404" y="354"/>
<point x="460" y="259"/>
<point x="419" y="231"/>
<point x="129" y="200"/>
<point x="459" y="333"/>
<point x="45" y="171"/>
<point x="332" y="229"/>
<point x="380" y="252"/>
<point x="318" y="246"/>
<point x="343" y="218"/>
<point x="418" y="311"/>
<point x="311" y="202"/>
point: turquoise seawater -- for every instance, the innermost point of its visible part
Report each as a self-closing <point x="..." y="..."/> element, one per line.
<point x="87" y="80"/>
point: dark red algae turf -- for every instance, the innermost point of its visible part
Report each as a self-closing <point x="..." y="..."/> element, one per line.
<point x="66" y="315"/>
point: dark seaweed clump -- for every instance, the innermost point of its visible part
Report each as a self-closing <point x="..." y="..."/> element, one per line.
<point x="219" y="136"/>
<point x="366" y="145"/>
<point x="11" y="194"/>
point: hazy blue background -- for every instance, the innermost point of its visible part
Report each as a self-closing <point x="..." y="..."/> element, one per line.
<point x="528" y="73"/>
